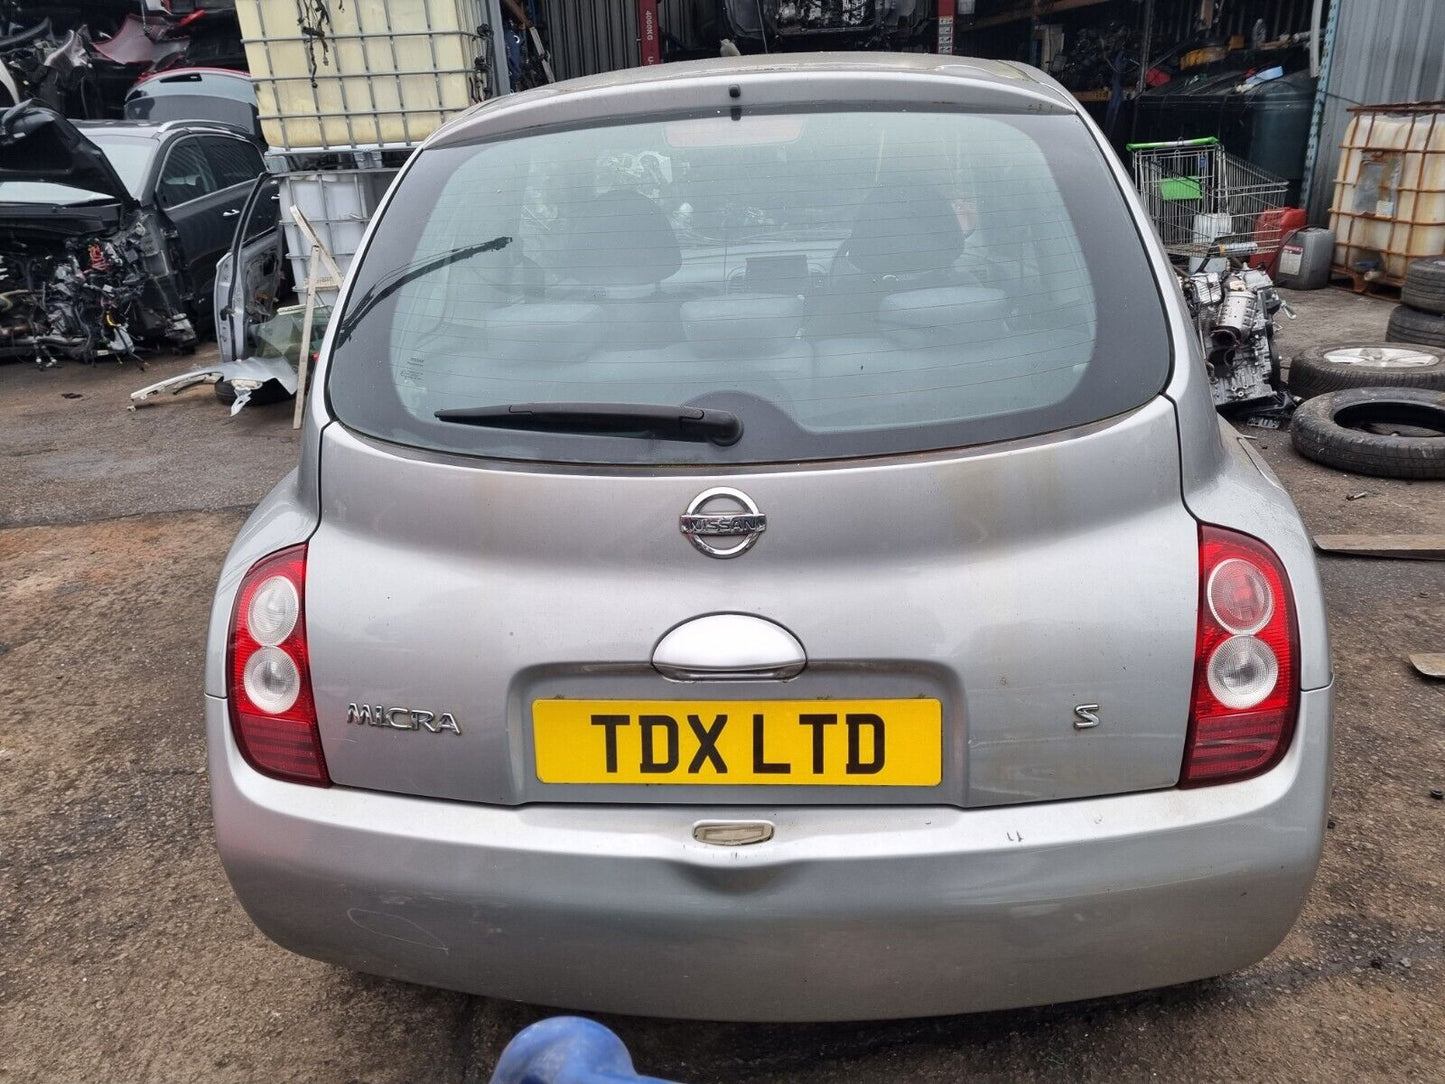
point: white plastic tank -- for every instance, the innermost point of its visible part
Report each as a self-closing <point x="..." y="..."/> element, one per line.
<point x="337" y="204"/>
<point x="1389" y="204"/>
<point x="366" y="73"/>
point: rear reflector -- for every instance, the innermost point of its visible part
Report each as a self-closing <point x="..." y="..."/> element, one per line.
<point x="1246" y="670"/>
<point x="268" y="681"/>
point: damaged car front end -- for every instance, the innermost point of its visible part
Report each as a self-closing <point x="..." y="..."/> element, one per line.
<point x="85" y="267"/>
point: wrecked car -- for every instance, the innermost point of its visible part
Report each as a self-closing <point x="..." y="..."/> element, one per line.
<point x="110" y="231"/>
<point x="215" y="94"/>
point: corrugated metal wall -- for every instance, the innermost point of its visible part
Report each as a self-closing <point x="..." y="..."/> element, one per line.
<point x="586" y="37"/>
<point x="590" y="36"/>
<point x="1384" y="51"/>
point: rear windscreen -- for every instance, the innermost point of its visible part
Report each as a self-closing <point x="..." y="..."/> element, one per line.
<point x="845" y="283"/>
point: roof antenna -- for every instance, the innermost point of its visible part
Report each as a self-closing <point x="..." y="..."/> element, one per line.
<point x="763" y="27"/>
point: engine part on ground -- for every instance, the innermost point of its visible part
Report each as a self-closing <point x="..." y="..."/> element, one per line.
<point x="1424" y="288"/>
<point x="1410" y="325"/>
<point x="1387" y="432"/>
<point x="1367" y="365"/>
<point x="1234" y="313"/>
<point x="1304" y="259"/>
<point x="1272" y="413"/>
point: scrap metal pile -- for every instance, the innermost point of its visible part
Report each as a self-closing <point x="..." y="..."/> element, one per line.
<point x="854" y="24"/>
<point x="823" y="14"/>
<point x="80" y="59"/>
<point x="84" y="299"/>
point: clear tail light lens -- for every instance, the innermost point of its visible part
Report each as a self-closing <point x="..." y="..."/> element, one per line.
<point x="1246" y="675"/>
<point x="1240" y="597"/>
<point x="268" y="682"/>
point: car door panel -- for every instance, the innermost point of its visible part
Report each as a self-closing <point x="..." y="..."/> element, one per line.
<point x="202" y="192"/>
<point x="187" y="191"/>
<point x="249" y="277"/>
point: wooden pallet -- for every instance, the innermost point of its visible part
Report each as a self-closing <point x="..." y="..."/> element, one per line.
<point x="1381" y="286"/>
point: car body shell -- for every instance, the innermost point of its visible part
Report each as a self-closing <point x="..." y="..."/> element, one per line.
<point x="182" y="239"/>
<point x="218" y="95"/>
<point x="1077" y="881"/>
<point x="202" y="227"/>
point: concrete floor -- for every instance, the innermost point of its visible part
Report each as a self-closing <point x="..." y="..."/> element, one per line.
<point x="123" y="955"/>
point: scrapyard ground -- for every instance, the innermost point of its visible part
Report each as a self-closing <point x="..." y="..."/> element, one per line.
<point x="124" y="956"/>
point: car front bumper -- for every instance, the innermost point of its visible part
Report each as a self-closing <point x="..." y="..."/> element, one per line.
<point x="847" y="913"/>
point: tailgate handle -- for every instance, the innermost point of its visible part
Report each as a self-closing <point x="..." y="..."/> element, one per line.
<point x="729" y="647"/>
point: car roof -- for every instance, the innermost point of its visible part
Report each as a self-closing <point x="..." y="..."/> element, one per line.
<point x="879" y="64"/>
<point x="143" y="130"/>
<point x="165" y="73"/>
<point x="798" y="79"/>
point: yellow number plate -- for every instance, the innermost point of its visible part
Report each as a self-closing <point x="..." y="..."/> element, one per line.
<point x="877" y="743"/>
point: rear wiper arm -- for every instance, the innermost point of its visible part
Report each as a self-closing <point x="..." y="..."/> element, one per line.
<point x="722" y="427"/>
<point x="397" y="279"/>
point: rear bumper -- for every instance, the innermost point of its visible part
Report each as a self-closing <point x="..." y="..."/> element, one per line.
<point x="846" y="914"/>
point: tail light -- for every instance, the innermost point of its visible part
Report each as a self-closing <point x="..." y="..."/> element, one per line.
<point x="268" y="681"/>
<point x="1246" y="670"/>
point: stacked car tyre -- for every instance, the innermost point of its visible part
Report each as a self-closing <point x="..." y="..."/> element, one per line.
<point x="1379" y="408"/>
<point x="1367" y="365"/>
<point x="1421" y="317"/>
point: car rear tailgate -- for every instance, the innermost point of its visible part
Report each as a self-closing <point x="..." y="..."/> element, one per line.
<point x="1013" y="583"/>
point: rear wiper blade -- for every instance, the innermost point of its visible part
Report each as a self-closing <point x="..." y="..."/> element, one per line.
<point x="722" y="427"/>
<point x="397" y="279"/>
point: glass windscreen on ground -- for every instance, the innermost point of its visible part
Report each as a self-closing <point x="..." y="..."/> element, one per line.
<point x="846" y="283"/>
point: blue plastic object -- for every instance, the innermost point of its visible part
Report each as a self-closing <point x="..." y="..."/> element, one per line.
<point x="568" y="1050"/>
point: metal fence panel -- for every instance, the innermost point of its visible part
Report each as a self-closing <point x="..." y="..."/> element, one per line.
<point x="587" y="37"/>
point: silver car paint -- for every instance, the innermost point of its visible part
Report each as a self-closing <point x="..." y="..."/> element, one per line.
<point x="848" y="913"/>
<point x="1221" y="482"/>
<point x="956" y="576"/>
<point x="1194" y="883"/>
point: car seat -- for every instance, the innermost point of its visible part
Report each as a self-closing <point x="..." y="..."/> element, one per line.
<point x="904" y="237"/>
<point x="621" y="247"/>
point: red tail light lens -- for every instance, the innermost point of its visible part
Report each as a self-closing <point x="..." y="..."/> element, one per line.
<point x="1246" y="670"/>
<point x="268" y="680"/>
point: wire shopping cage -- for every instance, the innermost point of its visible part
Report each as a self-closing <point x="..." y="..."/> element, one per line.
<point x="1205" y="202"/>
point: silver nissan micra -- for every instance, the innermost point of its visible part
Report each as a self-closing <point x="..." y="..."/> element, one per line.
<point x="763" y="548"/>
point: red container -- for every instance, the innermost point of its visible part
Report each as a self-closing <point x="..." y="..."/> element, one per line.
<point x="1271" y="228"/>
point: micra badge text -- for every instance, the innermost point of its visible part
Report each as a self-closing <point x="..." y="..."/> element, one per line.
<point x="402" y="718"/>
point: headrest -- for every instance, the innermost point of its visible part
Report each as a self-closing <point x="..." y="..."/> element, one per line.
<point x="621" y="238"/>
<point x="904" y="230"/>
